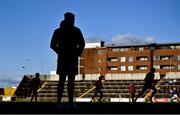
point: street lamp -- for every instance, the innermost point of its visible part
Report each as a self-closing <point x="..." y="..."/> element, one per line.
<point x="28" y="65"/>
<point x="170" y="63"/>
<point x="152" y="49"/>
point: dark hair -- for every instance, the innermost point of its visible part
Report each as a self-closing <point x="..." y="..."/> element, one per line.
<point x="37" y="74"/>
<point x="102" y="77"/>
<point x="153" y="69"/>
<point x="69" y="16"/>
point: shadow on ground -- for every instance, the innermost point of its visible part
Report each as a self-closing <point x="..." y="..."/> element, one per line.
<point x="90" y="108"/>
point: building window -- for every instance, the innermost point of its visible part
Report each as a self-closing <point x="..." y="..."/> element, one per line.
<point x="100" y="69"/>
<point x="156" y="58"/>
<point x="113" y="59"/>
<point x="156" y="66"/>
<point x="115" y="49"/>
<point x="177" y="47"/>
<point x="165" y="57"/>
<point x="99" y="52"/>
<point x="172" y="47"/>
<point x="112" y="68"/>
<point x="130" y="68"/>
<point x="141" y="48"/>
<point x="141" y="58"/>
<point x="124" y="49"/>
<point x="178" y="57"/>
<point x="100" y="61"/>
<point x="123" y="68"/>
<point x="123" y="59"/>
<point x="142" y="67"/>
<point x="164" y="47"/>
<point x="178" y="67"/>
<point x="130" y="59"/>
<point x="167" y="67"/>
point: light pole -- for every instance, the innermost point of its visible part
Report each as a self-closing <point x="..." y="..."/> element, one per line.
<point x="170" y="63"/>
<point x="42" y="66"/>
<point x="28" y="65"/>
<point x="79" y="65"/>
<point x="152" y="49"/>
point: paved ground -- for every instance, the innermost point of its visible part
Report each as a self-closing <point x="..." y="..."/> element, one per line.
<point x="90" y="108"/>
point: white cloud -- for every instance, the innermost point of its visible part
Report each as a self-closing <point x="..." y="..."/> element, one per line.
<point x="7" y="81"/>
<point x="150" y="39"/>
<point x="128" y="39"/>
<point x="93" y="39"/>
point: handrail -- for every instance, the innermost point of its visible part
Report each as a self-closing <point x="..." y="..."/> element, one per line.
<point x="42" y="86"/>
<point x="87" y="92"/>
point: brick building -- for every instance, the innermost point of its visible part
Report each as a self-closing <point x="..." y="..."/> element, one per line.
<point x="130" y="61"/>
<point x="121" y="66"/>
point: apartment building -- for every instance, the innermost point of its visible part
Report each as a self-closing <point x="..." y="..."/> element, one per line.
<point x="130" y="60"/>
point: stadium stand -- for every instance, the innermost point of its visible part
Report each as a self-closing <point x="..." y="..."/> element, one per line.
<point x="112" y="89"/>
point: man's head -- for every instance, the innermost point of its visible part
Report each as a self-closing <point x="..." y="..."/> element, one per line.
<point x="69" y="17"/>
<point x="37" y="74"/>
<point x="102" y="78"/>
<point x="153" y="70"/>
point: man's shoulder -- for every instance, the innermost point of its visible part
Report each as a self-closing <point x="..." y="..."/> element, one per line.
<point x="76" y="28"/>
<point x="57" y="29"/>
<point x="149" y="74"/>
<point x="33" y="78"/>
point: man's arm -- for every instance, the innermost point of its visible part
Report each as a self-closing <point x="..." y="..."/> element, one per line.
<point x="54" y="42"/>
<point x="81" y="43"/>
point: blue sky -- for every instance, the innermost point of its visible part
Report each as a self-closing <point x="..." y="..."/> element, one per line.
<point x="26" y="28"/>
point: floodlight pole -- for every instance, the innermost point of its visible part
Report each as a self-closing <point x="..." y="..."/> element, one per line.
<point x="152" y="49"/>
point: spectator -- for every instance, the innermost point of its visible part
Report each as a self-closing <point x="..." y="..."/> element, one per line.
<point x="161" y="81"/>
<point x="99" y="85"/>
<point x="148" y="95"/>
<point x="132" y="90"/>
<point x="170" y="82"/>
<point x="35" y="85"/>
<point x="174" y="95"/>
<point x="68" y="43"/>
<point x="149" y="84"/>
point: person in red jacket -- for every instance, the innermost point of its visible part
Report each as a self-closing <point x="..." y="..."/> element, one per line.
<point x="132" y="90"/>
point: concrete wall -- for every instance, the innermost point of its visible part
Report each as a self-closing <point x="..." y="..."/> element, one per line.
<point x="125" y="76"/>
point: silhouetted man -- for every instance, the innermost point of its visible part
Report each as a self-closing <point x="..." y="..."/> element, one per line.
<point x="35" y="85"/>
<point x="68" y="43"/>
<point x="149" y="84"/>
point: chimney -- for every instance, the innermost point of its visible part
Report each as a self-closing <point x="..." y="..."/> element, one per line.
<point x="102" y="43"/>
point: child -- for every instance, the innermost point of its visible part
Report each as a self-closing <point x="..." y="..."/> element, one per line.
<point x="148" y="95"/>
<point x="132" y="90"/>
<point x="174" y="95"/>
<point x="98" y="88"/>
